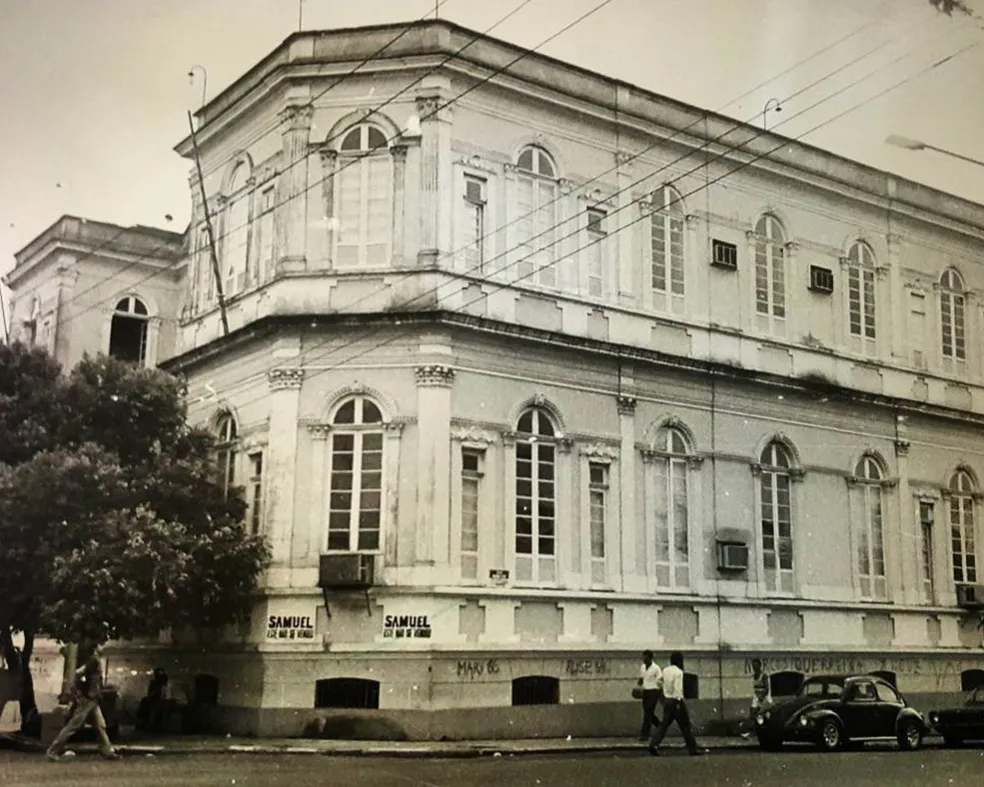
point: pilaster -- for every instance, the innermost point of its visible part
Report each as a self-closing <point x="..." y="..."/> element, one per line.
<point x="909" y="538"/>
<point x="630" y="580"/>
<point x="896" y="301"/>
<point x="329" y="164"/>
<point x="433" y="514"/>
<point x="628" y="278"/>
<point x="280" y="459"/>
<point x="292" y="189"/>
<point x="399" y="153"/>
<point x="434" y="117"/>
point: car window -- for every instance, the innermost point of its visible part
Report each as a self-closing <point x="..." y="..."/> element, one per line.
<point x="886" y="693"/>
<point x="862" y="691"/>
<point x="819" y="688"/>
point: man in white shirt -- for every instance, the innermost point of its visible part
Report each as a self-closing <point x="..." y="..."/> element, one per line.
<point x="674" y="708"/>
<point x="651" y="683"/>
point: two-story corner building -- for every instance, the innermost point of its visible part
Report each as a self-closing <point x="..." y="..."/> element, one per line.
<point x="530" y="369"/>
<point x="88" y="286"/>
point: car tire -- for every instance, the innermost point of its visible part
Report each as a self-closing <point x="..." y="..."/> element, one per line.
<point x="831" y="737"/>
<point x="910" y="735"/>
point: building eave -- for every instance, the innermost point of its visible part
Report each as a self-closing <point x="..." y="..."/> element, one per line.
<point x="212" y="352"/>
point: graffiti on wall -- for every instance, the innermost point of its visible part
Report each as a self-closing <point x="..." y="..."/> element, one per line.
<point x="576" y="668"/>
<point x="474" y="669"/>
<point x="942" y="673"/>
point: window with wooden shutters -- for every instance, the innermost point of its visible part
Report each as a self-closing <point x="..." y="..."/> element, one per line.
<point x="671" y="510"/>
<point x="666" y="226"/>
<point x="235" y="241"/>
<point x="536" y="498"/>
<point x="356" y="477"/>
<point x="770" y="271"/>
<point x="868" y="516"/>
<point x="776" y="518"/>
<point x="861" y="291"/>
<point x="534" y="223"/>
<point x="598" y="519"/>
<point x="962" y="524"/>
<point x="472" y="469"/>
<point x="473" y="225"/>
<point x="364" y="201"/>
<point x="226" y="451"/>
<point x="952" y="317"/>
<point x="596" y="252"/>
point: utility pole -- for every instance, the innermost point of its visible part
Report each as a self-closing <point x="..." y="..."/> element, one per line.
<point x="208" y="228"/>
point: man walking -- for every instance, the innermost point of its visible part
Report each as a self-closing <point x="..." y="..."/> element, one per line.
<point x="651" y="683"/>
<point x="86" y="688"/>
<point x="674" y="708"/>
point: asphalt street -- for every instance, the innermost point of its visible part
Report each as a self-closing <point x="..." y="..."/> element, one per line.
<point x="927" y="768"/>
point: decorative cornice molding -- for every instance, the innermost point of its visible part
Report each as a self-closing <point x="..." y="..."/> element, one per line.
<point x="434" y="375"/>
<point x="599" y="450"/>
<point x="285" y="378"/>
<point x="473" y="434"/>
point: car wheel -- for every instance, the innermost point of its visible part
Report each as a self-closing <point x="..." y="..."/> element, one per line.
<point x="910" y="735"/>
<point x="830" y="735"/>
<point x="951" y="740"/>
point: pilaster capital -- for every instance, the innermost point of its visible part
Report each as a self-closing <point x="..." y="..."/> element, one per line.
<point x="319" y="431"/>
<point x="432" y="108"/>
<point x="624" y="158"/>
<point x="882" y="271"/>
<point x="694" y="462"/>
<point x="792" y="246"/>
<point x="434" y="375"/>
<point x="894" y="241"/>
<point x="564" y="445"/>
<point x="297" y="117"/>
<point x="692" y="219"/>
<point x="756" y="469"/>
<point x="750" y="234"/>
<point x="648" y="455"/>
<point x="328" y="155"/>
<point x="626" y="405"/>
<point x="566" y="186"/>
<point x="398" y="151"/>
<point x="901" y="447"/>
<point x="797" y="474"/>
<point x="285" y="378"/>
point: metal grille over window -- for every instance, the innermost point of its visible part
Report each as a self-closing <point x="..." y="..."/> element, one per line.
<point x="777" y="530"/>
<point x="355" y="499"/>
<point x="963" y="547"/>
<point x="536" y="498"/>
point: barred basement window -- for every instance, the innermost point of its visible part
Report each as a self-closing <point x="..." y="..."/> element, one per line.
<point x="346" y="693"/>
<point x="535" y="690"/>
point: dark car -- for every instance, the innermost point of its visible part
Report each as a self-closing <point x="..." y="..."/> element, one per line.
<point x="832" y="711"/>
<point x="957" y="725"/>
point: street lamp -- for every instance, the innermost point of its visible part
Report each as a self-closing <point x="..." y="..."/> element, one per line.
<point x="906" y="143"/>
<point x="191" y="76"/>
<point x="765" y="110"/>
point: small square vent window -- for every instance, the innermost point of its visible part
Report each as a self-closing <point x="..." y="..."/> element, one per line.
<point x="821" y="279"/>
<point x="724" y="255"/>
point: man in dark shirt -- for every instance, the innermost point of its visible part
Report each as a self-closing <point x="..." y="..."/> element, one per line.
<point x="86" y="689"/>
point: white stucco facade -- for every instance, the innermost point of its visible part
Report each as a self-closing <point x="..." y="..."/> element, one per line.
<point x="544" y="438"/>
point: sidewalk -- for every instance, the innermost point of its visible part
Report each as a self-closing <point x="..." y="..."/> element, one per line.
<point x="175" y="745"/>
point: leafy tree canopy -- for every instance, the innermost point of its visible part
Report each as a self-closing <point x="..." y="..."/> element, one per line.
<point x="112" y="523"/>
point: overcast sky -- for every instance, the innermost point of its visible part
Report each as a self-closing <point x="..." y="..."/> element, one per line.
<point x="93" y="93"/>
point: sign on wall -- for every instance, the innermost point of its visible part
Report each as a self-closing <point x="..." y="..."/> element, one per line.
<point x="406" y="627"/>
<point x="290" y="627"/>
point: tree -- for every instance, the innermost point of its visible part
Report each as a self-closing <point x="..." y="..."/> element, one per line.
<point x="115" y="526"/>
<point x="949" y="6"/>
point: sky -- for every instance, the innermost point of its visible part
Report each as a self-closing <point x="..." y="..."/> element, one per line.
<point x="94" y="94"/>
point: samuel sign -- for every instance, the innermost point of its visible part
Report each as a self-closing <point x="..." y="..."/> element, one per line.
<point x="293" y="627"/>
<point x="406" y="626"/>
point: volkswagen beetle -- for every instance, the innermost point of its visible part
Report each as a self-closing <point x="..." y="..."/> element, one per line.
<point x="833" y="711"/>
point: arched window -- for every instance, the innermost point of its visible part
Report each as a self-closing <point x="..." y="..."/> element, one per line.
<point x="666" y="240"/>
<point x="670" y="509"/>
<point x="952" y="322"/>
<point x="536" y="498"/>
<point x="535" y="219"/>
<point x="227" y="444"/>
<point x="364" y="198"/>
<point x="128" y="331"/>
<point x="861" y="290"/>
<point x="770" y="268"/>
<point x="964" y="550"/>
<point x="356" y="487"/>
<point x="777" y="524"/>
<point x="235" y="243"/>
<point x="867" y="506"/>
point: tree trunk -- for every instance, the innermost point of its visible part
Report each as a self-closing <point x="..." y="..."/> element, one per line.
<point x="20" y="662"/>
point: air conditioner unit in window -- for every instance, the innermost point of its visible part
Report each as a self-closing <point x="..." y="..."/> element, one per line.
<point x="821" y="279"/>
<point x="350" y="571"/>
<point x="970" y="596"/>
<point x="732" y="556"/>
<point x="724" y="255"/>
